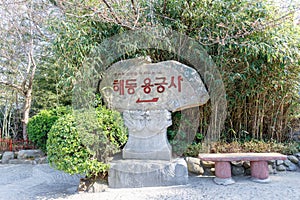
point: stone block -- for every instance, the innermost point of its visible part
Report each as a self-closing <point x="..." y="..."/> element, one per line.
<point x="8" y="155"/>
<point x="147" y="173"/>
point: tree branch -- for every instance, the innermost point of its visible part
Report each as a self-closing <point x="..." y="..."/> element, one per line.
<point x="112" y="12"/>
<point x="13" y="86"/>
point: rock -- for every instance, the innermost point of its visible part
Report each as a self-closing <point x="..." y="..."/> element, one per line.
<point x="212" y="171"/>
<point x="292" y="167"/>
<point x="8" y="155"/>
<point x="297" y="155"/>
<point x="293" y="159"/>
<point x="248" y="171"/>
<point x="237" y="163"/>
<point x="280" y="168"/>
<point x="246" y="164"/>
<point x="193" y="165"/>
<point x="179" y="82"/>
<point x="271" y="169"/>
<point x="208" y="164"/>
<point x="42" y="160"/>
<point x="287" y="163"/>
<point x="279" y="162"/>
<point x="30" y="154"/>
<point x="193" y="160"/>
<point x="237" y="171"/>
<point x="91" y="186"/>
<point x="271" y="162"/>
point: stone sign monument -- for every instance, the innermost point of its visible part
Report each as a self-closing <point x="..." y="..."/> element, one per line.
<point x="146" y="93"/>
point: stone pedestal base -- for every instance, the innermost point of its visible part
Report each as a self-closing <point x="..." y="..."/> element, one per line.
<point x="147" y="173"/>
<point x="155" y="147"/>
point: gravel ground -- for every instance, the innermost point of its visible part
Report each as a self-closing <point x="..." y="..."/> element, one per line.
<point x="18" y="182"/>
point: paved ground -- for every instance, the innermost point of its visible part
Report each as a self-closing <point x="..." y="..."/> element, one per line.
<point x="18" y="182"/>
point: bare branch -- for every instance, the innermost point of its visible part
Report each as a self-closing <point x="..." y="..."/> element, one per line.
<point x="12" y="85"/>
<point x="134" y="8"/>
<point x="112" y="12"/>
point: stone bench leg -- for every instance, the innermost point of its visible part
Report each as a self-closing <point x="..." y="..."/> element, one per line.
<point x="260" y="171"/>
<point x="223" y="173"/>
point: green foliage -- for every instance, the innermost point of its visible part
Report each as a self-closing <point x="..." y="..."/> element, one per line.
<point x="83" y="145"/>
<point x="66" y="151"/>
<point x="254" y="44"/>
<point x="112" y="125"/>
<point x="258" y="60"/>
<point x="40" y="125"/>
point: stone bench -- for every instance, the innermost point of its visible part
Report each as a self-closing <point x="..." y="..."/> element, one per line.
<point x="258" y="164"/>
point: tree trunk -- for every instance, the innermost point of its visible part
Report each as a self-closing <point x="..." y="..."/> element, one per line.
<point x="26" y="109"/>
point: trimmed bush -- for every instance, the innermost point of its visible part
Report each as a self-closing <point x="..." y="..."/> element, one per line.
<point x="39" y="125"/>
<point x="83" y="146"/>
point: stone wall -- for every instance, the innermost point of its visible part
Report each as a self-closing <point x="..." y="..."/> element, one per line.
<point x="34" y="156"/>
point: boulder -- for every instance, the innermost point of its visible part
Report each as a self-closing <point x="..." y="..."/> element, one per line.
<point x="194" y="166"/>
<point x="246" y="164"/>
<point x="92" y="186"/>
<point x="280" y="168"/>
<point x="208" y="164"/>
<point x="237" y="163"/>
<point x="279" y="162"/>
<point x="248" y="171"/>
<point x="297" y="155"/>
<point x="293" y="159"/>
<point x="271" y="162"/>
<point x="237" y="170"/>
<point x="8" y="155"/>
<point x="292" y="167"/>
<point x="287" y="163"/>
<point x="41" y="160"/>
<point x="30" y="154"/>
<point x="271" y="169"/>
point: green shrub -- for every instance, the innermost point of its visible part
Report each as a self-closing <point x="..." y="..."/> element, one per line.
<point x="112" y="125"/>
<point x="82" y="145"/>
<point x="66" y="151"/>
<point x="39" y="125"/>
